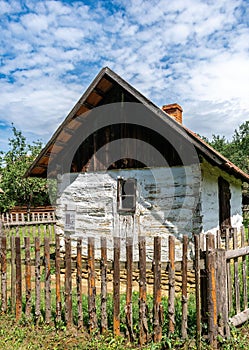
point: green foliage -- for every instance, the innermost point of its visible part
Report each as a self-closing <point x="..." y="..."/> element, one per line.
<point x="13" y="165"/>
<point x="236" y="150"/>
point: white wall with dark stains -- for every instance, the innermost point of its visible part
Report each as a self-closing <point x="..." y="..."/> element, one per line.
<point x="166" y="202"/>
<point x="210" y="198"/>
<point x="169" y="201"/>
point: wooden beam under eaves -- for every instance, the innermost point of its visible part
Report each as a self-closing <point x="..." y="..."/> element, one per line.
<point x="88" y="105"/>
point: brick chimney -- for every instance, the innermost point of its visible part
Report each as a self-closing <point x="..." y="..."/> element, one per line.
<point x="174" y="110"/>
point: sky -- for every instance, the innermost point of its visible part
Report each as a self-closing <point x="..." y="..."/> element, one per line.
<point x="192" y="52"/>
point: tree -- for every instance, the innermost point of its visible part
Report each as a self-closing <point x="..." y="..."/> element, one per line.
<point x="13" y="165"/>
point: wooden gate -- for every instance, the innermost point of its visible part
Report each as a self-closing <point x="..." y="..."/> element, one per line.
<point x="224" y="290"/>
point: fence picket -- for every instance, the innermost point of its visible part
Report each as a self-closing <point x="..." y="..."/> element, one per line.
<point x="197" y="289"/>
<point x="27" y="276"/>
<point x="79" y="282"/>
<point x="4" y="274"/>
<point x="244" y="275"/>
<point x="91" y="287"/>
<point x="157" y="298"/>
<point x="57" y="278"/>
<point x="13" y="273"/>
<point x="171" y="303"/>
<point x="68" y="283"/>
<point x="184" y="286"/>
<point x="37" y="280"/>
<point x="128" y="308"/>
<point x="116" y="287"/>
<point x="211" y="288"/>
<point x="236" y="273"/>
<point x="18" y="279"/>
<point x="103" y="268"/>
<point x="228" y="266"/>
<point x="47" y="280"/>
<point x="143" y="323"/>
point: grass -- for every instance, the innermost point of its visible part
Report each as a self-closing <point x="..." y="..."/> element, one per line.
<point x="23" y="335"/>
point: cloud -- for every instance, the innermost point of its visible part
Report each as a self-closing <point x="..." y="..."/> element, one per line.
<point x="192" y="52"/>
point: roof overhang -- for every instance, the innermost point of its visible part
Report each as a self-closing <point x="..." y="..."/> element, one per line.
<point x="93" y="97"/>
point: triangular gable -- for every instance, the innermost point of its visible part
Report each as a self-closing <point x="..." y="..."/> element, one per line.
<point x="105" y="89"/>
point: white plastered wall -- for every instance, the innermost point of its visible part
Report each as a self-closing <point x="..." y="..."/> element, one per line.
<point x="210" y="198"/>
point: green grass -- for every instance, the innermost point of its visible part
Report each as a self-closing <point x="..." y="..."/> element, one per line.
<point x="24" y="335"/>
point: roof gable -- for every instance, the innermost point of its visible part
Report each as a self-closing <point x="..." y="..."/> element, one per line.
<point x="109" y="88"/>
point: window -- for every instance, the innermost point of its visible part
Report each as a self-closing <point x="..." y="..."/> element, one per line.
<point x="126" y="195"/>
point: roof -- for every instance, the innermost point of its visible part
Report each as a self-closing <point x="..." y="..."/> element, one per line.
<point x="96" y="95"/>
<point x="1" y="191"/>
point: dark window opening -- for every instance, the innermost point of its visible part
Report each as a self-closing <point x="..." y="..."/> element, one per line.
<point x="224" y="205"/>
<point x="126" y="195"/>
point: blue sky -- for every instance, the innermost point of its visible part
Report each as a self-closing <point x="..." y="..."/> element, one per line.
<point x="192" y="52"/>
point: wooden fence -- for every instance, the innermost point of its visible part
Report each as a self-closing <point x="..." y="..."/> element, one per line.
<point x="32" y="270"/>
<point x="34" y="217"/>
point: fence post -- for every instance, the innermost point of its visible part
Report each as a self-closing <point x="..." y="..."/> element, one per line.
<point x="236" y="273"/>
<point x="47" y="280"/>
<point x="28" y="276"/>
<point x="103" y="266"/>
<point x="13" y="273"/>
<point x="143" y="323"/>
<point x="57" y="278"/>
<point x="184" y="287"/>
<point x="37" y="280"/>
<point x="222" y="295"/>
<point x="211" y="289"/>
<point x="197" y="290"/>
<point x="116" y="287"/>
<point x="79" y="282"/>
<point x="157" y="309"/>
<point x="18" y="279"/>
<point x="4" y="273"/>
<point x="68" y="283"/>
<point x="171" y="302"/>
<point x="91" y="286"/>
<point x="128" y="308"/>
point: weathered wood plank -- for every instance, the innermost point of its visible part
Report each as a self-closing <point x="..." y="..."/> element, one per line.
<point x="18" y="279"/>
<point x="3" y="273"/>
<point x="228" y="267"/>
<point x="211" y="285"/>
<point x="47" y="280"/>
<point x="171" y="271"/>
<point x="57" y="279"/>
<point x="13" y="272"/>
<point x="68" y="283"/>
<point x="244" y="274"/>
<point x="222" y="295"/>
<point x="116" y="287"/>
<point x="236" y="273"/>
<point x="197" y="290"/>
<point x="240" y="318"/>
<point x="128" y="307"/>
<point x="28" y="277"/>
<point x="157" y="297"/>
<point x="103" y="268"/>
<point x="237" y="252"/>
<point x="143" y="322"/>
<point x="79" y="282"/>
<point x="37" y="280"/>
<point x="91" y="287"/>
<point x="184" y="287"/>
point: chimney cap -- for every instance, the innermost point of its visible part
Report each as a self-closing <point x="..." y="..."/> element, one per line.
<point x="174" y="110"/>
<point x="172" y="106"/>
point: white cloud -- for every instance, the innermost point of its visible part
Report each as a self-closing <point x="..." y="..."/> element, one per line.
<point x="192" y="52"/>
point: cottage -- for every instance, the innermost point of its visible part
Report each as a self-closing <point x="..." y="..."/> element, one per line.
<point x="126" y="168"/>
